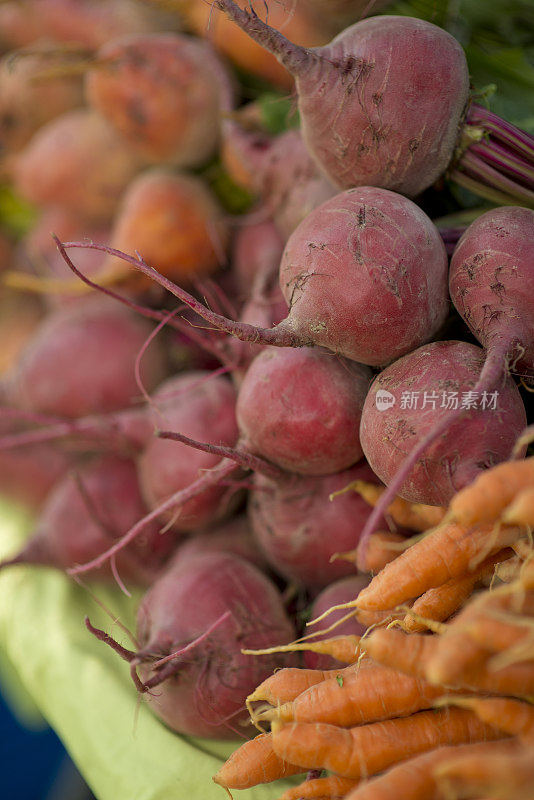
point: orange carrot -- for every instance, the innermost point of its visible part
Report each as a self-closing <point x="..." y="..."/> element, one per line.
<point x="395" y="649"/>
<point x="442" y="601"/>
<point x="370" y="618"/>
<point x="448" y="552"/>
<point x="383" y="547"/>
<point x="461" y="649"/>
<point x="371" y="694"/>
<point x="486" y="498"/>
<point x="331" y="788"/>
<point x="500" y="633"/>
<point x="521" y="510"/>
<point x="286" y="684"/>
<point x="368" y="749"/>
<point x="507" y="775"/>
<point x="417" y="654"/>
<point x="414" y="779"/>
<point x="252" y="763"/>
<point x="416" y="516"/>
<point x="343" y="648"/>
<point x="526" y="578"/>
<point x="513" y="717"/>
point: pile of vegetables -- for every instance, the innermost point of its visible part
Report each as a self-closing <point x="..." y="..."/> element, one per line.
<point x="269" y="346"/>
<point x="428" y="714"/>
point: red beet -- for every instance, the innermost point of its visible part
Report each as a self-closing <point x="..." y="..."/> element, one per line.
<point x="298" y="528"/>
<point x="90" y="508"/>
<point x="413" y="396"/>
<point x="301" y="409"/>
<point x="217" y="604"/>
<point x="81" y="361"/>
<point x="207" y="412"/>
<point x="234" y="537"/>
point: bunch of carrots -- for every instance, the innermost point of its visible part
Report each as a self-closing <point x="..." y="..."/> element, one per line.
<point x="437" y="700"/>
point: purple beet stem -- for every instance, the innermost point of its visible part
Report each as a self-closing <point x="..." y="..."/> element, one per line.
<point x="241" y="330"/>
<point x="206" y="481"/>
<point x="502" y="161"/>
<point x="240" y="455"/>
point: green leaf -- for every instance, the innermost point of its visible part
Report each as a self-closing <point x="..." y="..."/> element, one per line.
<point x="339" y="679"/>
<point x="278" y="113"/>
<point x="513" y="76"/>
<point x="16" y="215"/>
<point x="85" y="692"/>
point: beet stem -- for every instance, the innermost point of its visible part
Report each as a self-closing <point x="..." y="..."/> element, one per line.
<point x="241" y="457"/>
<point x="508" y="162"/>
<point x="278" y="336"/>
<point x="144" y="310"/>
<point x="481" y="189"/>
<point x="475" y="166"/>
<point x="127" y="655"/>
<point x="519" y="140"/>
<point x="294" y="58"/>
<point x="156" y="680"/>
<point x="206" y="481"/>
<point x="94" y="427"/>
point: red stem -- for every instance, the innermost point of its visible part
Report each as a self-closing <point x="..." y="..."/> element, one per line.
<point x="127" y="655"/>
<point x="278" y="336"/>
<point x="242" y="457"/>
<point x="295" y="59"/>
<point x="206" y="481"/>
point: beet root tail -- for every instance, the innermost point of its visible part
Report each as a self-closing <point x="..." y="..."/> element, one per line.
<point x="294" y="58"/>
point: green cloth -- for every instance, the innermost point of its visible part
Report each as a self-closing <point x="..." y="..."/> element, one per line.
<point x="83" y="689"/>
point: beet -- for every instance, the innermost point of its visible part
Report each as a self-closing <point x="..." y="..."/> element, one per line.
<point x="86" y="511"/>
<point x="217" y="604"/>
<point x="390" y="429"/>
<point x="299" y="529"/>
<point x="206" y="412"/>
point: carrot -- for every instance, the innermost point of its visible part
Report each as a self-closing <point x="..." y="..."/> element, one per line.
<point x="383" y="547"/>
<point x="502" y="632"/>
<point x="371" y="694"/>
<point x="526" y="578"/>
<point x="368" y="749"/>
<point x="331" y="788"/>
<point x="343" y="648"/>
<point x="460" y="650"/>
<point x="486" y="498"/>
<point x="448" y="552"/>
<point x="252" y="763"/>
<point x="442" y="601"/>
<point x="407" y="654"/>
<point x="414" y="779"/>
<point x="372" y="618"/>
<point x="439" y="604"/>
<point x="507" y="571"/>
<point x="513" y="717"/>
<point x="507" y="775"/>
<point x="416" y="516"/>
<point x="418" y="655"/>
<point x="288" y="683"/>
<point x="521" y="510"/>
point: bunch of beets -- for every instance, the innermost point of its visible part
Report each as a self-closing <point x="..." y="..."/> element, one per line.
<point x="184" y="387"/>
